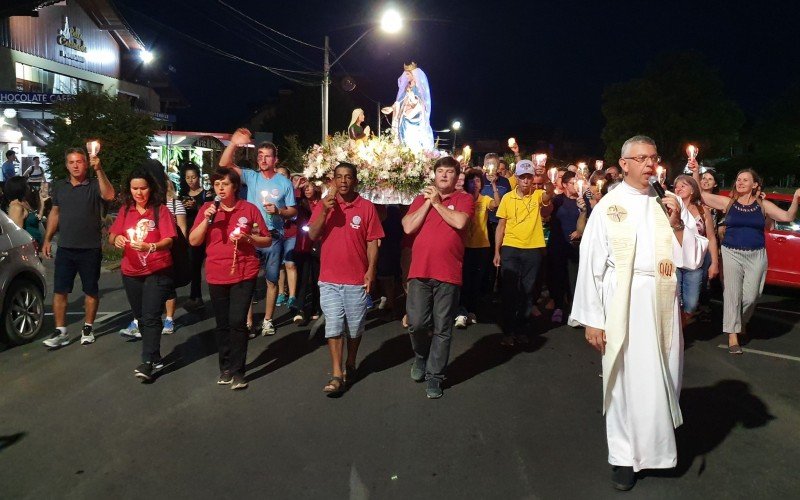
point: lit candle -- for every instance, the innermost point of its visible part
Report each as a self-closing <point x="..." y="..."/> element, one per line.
<point x="540" y="160"/>
<point x="553" y="174"/>
<point x="598" y="164"/>
<point x="691" y="151"/>
<point x="660" y="174"/>
<point x="236" y="231"/>
<point x="467" y="154"/>
<point x="264" y="195"/>
<point x="93" y="147"/>
<point x="600" y="185"/>
<point x="583" y="168"/>
<point x="511" y="142"/>
<point x="491" y="168"/>
<point x="580" y="187"/>
<point x="131" y="234"/>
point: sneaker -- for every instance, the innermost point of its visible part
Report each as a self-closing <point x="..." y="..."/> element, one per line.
<point x="461" y="321"/>
<point x="87" y="337"/>
<point x="132" y="331"/>
<point x="250" y="333"/>
<point x="144" y="371"/>
<point x="623" y="478"/>
<point x="382" y="303"/>
<point x="282" y="298"/>
<point x="291" y="303"/>
<point x="267" y="328"/>
<point x="418" y="370"/>
<point x="169" y="327"/>
<point x="238" y="383"/>
<point x="558" y="316"/>
<point x="434" y="389"/>
<point x="299" y="319"/>
<point x="508" y="341"/>
<point x="225" y="378"/>
<point x="57" y="339"/>
<point x="193" y="304"/>
<point x="472" y="319"/>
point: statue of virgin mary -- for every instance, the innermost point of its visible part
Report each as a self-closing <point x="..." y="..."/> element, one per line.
<point x="411" y="112"/>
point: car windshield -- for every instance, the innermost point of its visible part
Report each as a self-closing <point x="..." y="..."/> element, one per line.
<point x="793" y="226"/>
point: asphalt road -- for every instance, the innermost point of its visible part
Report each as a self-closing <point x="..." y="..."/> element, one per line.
<point x="522" y="423"/>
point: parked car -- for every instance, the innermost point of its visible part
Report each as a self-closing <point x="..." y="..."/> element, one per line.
<point x="22" y="284"/>
<point x="783" y="246"/>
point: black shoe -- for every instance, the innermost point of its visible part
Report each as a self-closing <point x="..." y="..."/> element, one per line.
<point x="225" y="378"/>
<point x="144" y="371"/>
<point x="238" y="383"/>
<point x="623" y="478"/>
<point x="418" y="370"/>
<point x="434" y="389"/>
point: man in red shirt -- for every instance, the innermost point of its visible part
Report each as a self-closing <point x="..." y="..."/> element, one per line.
<point x="438" y="218"/>
<point x="349" y="228"/>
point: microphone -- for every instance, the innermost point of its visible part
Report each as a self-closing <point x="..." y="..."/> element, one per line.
<point x="660" y="193"/>
<point x="217" y="201"/>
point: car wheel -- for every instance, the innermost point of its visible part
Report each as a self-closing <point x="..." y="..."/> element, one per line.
<point x="23" y="312"/>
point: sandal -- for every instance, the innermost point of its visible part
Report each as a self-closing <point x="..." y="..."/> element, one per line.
<point x="334" y="386"/>
<point x="735" y="349"/>
<point x="351" y="370"/>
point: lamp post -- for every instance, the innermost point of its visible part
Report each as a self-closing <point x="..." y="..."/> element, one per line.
<point x="391" y="22"/>
<point x="456" y="126"/>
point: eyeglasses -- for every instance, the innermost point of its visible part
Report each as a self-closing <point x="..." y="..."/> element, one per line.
<point x="644" y="158"/>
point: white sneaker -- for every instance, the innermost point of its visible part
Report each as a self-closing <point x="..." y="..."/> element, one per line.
<point x="58" y="339"/>
<point x="131" y="331"/>
<point x="87" y="337"/>
<point x="267" y="328"/>
<point x="382" y="303"/>
<point x="461" y="321"/>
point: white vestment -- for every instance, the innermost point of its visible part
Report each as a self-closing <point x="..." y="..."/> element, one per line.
<point x="642" y="366"/>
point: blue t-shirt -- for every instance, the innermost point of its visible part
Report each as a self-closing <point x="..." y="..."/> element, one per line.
<point x="745" y="227"/>
<point x="563" y="220"/>
<point x="9" y="170"/>
<point x="279" y="191"/>
<point x="503" y="186"/>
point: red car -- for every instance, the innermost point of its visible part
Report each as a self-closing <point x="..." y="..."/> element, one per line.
<point x="783" y="246"/>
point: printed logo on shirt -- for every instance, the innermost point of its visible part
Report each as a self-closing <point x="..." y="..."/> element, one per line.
<point x="276" y="193"/>
<point x="451" y="207"/>
<point x="242" y="222"/>
<point x="356" y="222"/>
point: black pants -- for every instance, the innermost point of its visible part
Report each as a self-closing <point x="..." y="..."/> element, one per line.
<point x="230" y="303"/>
<point x="146" y="295"/>
<point x="432" y="304"/>
<point x="307" y="283"/>
<point x="519" y="268"/>
<point x="197" y="256"/>
<point x="492" y="278"/>
<point x="476" y="263"/>
<point x="562" y="274"/>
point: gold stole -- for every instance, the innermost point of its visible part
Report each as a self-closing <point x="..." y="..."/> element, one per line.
<point x="622" y="236"/>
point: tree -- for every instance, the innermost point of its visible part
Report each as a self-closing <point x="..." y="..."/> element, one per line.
<point x="679" y="100"/>
<point x="123" y="133"/>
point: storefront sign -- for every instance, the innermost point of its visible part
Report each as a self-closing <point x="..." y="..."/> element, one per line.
<point x="32" y="98"/>
<point x="71" y="37"/>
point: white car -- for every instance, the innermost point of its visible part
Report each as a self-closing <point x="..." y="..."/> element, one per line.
<point x="22" y="284"/>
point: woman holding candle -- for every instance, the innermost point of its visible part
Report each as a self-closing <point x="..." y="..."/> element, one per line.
<point x="691" y="281"/>
<point x="307" y="258"/>
<point x="194" y="199"/>
<point x="744" y="255"/>
<point x="226" y="230"/>
<point x="144" y="230"/>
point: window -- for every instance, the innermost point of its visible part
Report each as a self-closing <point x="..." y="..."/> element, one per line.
<point x="786" y="226"/>
<point x="32" y="79"/>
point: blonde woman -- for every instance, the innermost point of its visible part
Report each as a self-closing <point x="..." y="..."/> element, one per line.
<point x="355" y="130"/>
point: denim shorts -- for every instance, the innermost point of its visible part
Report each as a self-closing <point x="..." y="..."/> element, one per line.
<point x="288" y="250"/>
<point x="344" y="307"/>
<point x="84" y="262"/>
<point x="271" y="259"/>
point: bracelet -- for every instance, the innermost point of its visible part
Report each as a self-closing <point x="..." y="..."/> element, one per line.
<point x="679" y="227"/>
<point x="546" y="204"/>
<point x="152" y="247"/>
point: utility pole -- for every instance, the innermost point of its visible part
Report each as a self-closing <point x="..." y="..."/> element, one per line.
<point x="326" y="81"/>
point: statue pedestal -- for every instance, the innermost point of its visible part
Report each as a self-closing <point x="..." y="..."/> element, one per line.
<point x="387" y="196"/>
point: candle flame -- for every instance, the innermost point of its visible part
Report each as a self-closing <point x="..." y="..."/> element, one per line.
<point x="511" y="142"/>
<point x="553" y="172"/>
<point x="598" y="165"/>
<point x="540" y="160"/>
<point x="691" y="151"/>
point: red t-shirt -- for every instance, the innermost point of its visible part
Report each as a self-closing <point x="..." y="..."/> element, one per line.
<point x="304" y="243"/>
<point x="291" y="229"/>
<point x="219" y="248"/>
<point x="438" y="249"/>
<point x="348" y="228"/>
<point x="134" y="262"/>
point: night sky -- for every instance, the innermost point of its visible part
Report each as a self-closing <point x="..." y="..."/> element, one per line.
<point x="494" y="65"/>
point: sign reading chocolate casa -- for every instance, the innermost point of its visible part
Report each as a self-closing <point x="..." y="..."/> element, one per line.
<point x="71" y="37"/>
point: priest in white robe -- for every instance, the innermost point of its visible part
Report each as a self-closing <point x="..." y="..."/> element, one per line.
<point x="626" y="298"/>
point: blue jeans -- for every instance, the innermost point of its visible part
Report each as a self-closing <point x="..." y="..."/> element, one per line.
<point x="271" y="258"/>
<point x="689" y="284"/>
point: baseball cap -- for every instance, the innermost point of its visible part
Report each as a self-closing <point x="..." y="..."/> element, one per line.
<point x="524" y="167"/>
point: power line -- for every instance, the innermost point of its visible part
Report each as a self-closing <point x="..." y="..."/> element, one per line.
<point x="267" y="27"/>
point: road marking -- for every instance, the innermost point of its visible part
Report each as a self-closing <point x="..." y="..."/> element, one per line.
<point x="764" y="353"/>
<point x="763" y="308"/>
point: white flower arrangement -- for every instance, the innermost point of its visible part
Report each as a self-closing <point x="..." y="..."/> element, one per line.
<point x="388" y="172"/>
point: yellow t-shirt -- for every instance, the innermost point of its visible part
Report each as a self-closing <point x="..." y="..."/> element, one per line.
<point x="513" y="182"/>
<point x="477" y="231"/>
<point x="523" y="220"/>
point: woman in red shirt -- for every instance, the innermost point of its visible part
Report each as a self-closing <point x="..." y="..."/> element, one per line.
<point x="226" y="229"/>
<point x="144" y="230"/>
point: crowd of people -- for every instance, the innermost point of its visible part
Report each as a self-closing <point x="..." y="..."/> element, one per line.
<point x="599" y="249"/>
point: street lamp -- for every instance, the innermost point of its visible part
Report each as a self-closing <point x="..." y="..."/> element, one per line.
<point x="146" y="56"/>
<point x="456" y="126"/>
<point x="391" y="22"/>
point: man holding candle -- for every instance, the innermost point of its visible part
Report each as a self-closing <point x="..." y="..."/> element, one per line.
<point x="503" y="186"/>
<point x="519" y="241"/>
<point x="274" y="195"/>
<point x="349" y="229"/>
<point x="77" y="216"/>
<point x="626" y="298"/>
<point x="438" y="218"/>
